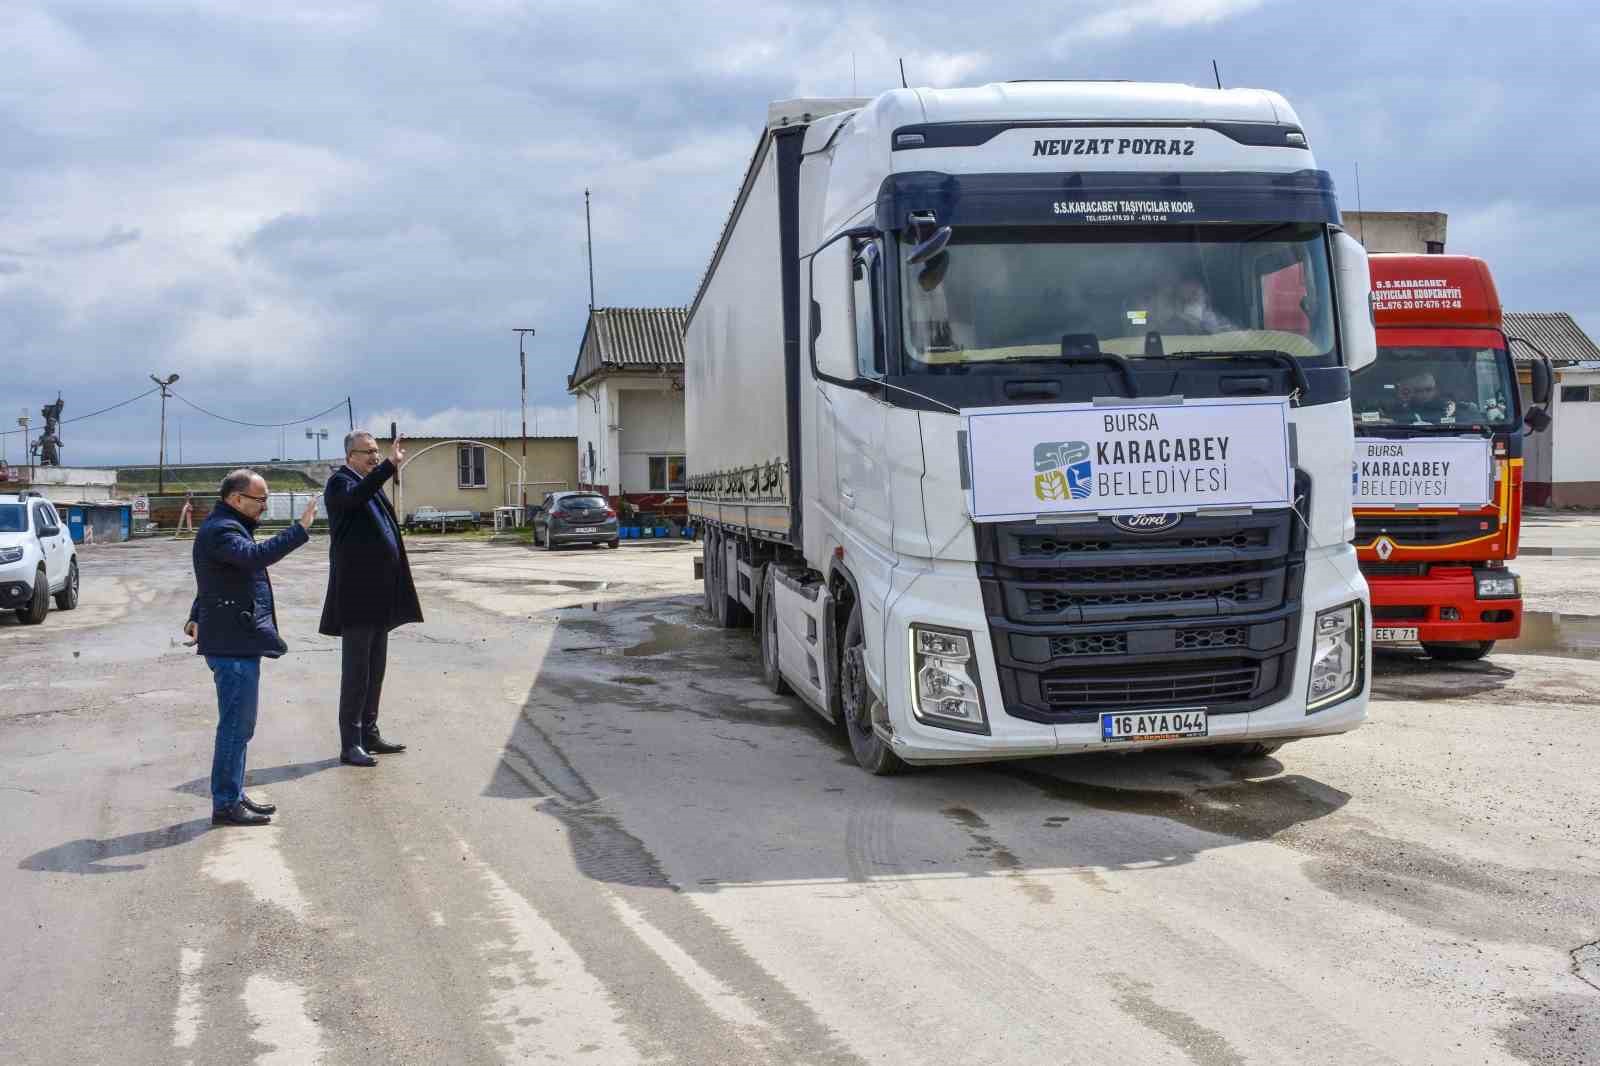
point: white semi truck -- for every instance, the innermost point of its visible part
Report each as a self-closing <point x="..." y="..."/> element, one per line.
<point x="1018" y="421"/>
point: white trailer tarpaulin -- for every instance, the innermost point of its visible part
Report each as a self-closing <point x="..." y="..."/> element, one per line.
<point x="1127" y="459"/>
<point x="1421" y="471"/>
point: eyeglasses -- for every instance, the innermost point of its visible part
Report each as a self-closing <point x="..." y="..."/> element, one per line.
<point x="365" y="451"/>
<point x="258" y="499"/>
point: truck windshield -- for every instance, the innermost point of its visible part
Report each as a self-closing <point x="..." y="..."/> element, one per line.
<point x="13" y="518"/>
<point x="1007" y="294"/>
<point x="1434" y="387"/>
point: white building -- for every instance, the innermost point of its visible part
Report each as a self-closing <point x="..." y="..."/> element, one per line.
<point x="1561" y="466"/>
<point x="628" y="386"/>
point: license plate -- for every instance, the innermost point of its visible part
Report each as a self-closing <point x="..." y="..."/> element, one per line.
<point x="1393" y="634"/>
<point x="1154" y="725"/>
<point x="586" y="529"/>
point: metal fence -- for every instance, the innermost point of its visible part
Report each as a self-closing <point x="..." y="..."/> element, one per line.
<point x="285" y="506"/>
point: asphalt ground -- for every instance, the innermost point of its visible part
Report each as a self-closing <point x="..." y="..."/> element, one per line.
<point x="609" y="844"/>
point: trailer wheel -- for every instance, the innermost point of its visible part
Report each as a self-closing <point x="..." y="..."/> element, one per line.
<point x="726" y="612"/>
<point x="1458" y="653"/>
<point x="767" y="619"/>
<point x="859" y="704"/>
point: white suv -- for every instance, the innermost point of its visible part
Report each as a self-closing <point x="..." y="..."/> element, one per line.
<point x="37" y="558"/>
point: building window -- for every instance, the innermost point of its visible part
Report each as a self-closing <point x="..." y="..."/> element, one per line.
<point x="471" y="468"/>
<point x="666" y="473"/>
<point x="1578" y="393"/>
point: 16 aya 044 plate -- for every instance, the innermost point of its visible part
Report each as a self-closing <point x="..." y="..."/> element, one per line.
<point x="1172" y="724"/>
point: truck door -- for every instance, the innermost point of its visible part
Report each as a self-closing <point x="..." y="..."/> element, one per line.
<point x="859" y="418"/>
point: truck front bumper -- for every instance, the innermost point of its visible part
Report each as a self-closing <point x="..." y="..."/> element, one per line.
<point x="1443" y="607"/>
<point x="950" y="598"/>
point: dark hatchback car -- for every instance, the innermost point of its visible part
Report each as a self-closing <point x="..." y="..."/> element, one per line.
<point x="574" y="518"/>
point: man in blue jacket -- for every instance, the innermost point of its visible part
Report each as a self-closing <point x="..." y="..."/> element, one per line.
<point x="235" y="624"/>
<point x="370" y="591"/>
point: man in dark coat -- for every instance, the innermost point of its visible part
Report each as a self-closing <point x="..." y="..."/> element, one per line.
<point x="234" y="622"/>
<point x="369" y="590"/>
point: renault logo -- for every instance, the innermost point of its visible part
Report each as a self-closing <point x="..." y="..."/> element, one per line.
<point x="1147" y="523"/>
<point x="1385" y="547"/>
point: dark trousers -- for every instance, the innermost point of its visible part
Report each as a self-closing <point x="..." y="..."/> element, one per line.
<point x="238" y="688"/>
<point x="366" y="651"/>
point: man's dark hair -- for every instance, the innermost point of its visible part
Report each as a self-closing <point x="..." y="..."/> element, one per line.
<point x="238" y="481"/>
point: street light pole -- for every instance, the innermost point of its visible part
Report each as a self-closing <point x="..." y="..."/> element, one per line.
<point x="522" y="362"/>
<point x="161" y="464"/>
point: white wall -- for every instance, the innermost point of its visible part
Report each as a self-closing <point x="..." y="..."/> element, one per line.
<point x="650" y="422"/>
<point x="1575" y="435"/>
<point x="594" y="407"/>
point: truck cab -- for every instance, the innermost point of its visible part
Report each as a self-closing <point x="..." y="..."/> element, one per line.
<point x="1437" y="482"/>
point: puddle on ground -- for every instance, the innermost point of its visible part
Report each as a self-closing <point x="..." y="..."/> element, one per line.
<point x="671" y="636"/>
<point x="1564" y="636"/>
<point x="1560" y="552"/>
<point x="566" y="584"/>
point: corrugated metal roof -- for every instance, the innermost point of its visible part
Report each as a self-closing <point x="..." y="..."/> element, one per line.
<point x="630" y="338"/>
<point x="1554" y="333"/>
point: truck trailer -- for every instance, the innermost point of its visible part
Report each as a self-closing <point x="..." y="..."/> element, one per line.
<point x="1439" y="425"/>
<point x="1018" y="421"/>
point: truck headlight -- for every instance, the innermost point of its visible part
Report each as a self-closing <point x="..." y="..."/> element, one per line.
<point x="944" y="680"/>
<point x="10" y="555"/>
<point x="1498" y="585"/>
<point x="1335" y="656"/>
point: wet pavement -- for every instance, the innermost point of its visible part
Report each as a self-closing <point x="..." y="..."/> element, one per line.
<point x="609" y="843"/>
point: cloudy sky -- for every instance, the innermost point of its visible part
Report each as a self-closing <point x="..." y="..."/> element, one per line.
<point x="289" y="203"/>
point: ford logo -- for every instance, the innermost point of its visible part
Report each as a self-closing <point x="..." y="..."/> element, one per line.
<point x="1146" y="523"/>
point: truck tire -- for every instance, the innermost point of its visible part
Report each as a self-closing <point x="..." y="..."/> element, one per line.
<point x="857" y="701"/>
<point x="726" y="612"/>
<point x="67" y="598"/>
<point x="1458" y="653"/>
<point x="767" y="619"/>
<point x="35" y="612"/>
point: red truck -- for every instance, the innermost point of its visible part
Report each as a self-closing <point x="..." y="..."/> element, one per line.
<point x="1437" y="479"/>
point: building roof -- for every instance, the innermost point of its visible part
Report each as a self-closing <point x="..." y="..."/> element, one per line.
<point x="1554" y="333"/>
<point x="629" y="339"/>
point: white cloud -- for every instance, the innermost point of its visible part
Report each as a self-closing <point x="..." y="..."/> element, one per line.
<point x="543" y="420"/>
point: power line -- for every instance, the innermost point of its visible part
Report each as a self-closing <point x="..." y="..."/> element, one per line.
<point x="260" y="425"/>
<point x="91" y="414"/>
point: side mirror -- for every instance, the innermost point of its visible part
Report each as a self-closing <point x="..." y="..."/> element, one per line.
<point x="1354" y="278"/>
<point x="1537" y="419"/>
<point x="931" y="247"/>
<point x="1543" y="381"/>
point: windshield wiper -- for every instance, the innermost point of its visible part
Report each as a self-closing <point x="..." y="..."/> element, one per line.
<point x="1302" y="384"/>
<point x="1110" y="359"/>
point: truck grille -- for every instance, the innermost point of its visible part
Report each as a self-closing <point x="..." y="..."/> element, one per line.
<point x="1425" y="529"/>
<point x="1128" y="689"/>
<point x="1395" y="569"/>
<point x="1086" y="617"/>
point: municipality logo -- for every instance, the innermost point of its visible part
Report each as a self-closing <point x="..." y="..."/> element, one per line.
<point x="1062" y="470"/>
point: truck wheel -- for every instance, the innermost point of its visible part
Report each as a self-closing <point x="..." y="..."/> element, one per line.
<point x="768" y="621"/>
<point x="67" y="598"/>
<point x="34" y="613"/>
<point x="1458" y="653"/>
<point x="858" y="703"/>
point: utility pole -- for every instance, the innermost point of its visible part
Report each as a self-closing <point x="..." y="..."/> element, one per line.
<point x="165" y="384"/>
<point x="318" y="435"/>
<point x="523" y="333"/>
<point x="27" y="445"/>
<point x="350" y="413"/>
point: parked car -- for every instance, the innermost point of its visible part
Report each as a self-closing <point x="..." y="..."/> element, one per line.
<point x="574" y="518"/>
<point x="433" y="518"/>
<point x="37" y="558"/>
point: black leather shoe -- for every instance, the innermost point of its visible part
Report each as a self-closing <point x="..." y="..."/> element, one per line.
<point x="378" y="746"/>
<point x="356" y="755"/>
<point x="238" y="814"/>
<point x="259" y="808"/>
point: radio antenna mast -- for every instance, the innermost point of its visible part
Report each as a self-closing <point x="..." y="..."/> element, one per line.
<point x="1215" y="73"/>
<point x="903" y="84"/>
<point x="588" y="231"/>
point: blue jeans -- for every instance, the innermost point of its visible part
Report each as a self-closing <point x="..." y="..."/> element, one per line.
<point x="238" y="684"/>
